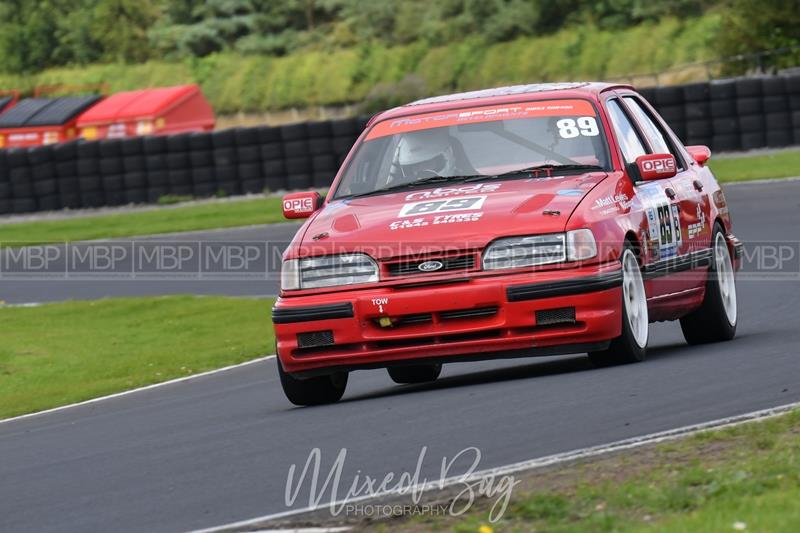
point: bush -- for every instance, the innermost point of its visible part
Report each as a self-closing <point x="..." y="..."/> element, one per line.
<point x="377" y="75"/>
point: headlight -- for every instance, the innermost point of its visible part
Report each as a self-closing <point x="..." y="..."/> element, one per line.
<point x="328" y="271"/>
<point x="518" y="252"/>
<point x="580" y="245"/>
<point x="533" y="250"/>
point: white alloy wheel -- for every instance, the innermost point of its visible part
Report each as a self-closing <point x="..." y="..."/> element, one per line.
<point x="725" y="278"/>
<point x="634" y="298"/>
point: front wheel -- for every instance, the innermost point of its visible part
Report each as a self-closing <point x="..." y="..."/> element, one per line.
<point x="313" y="391"/>
<point x="414" y="374"/>
<point x="715" y="319"/>
<point x="631" y="346"/>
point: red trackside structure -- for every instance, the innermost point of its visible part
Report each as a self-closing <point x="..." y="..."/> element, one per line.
<point x="159" y="111"/>
<point x="39" y="121"/>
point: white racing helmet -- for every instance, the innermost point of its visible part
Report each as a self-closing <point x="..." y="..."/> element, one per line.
<point x="425" y="152"/>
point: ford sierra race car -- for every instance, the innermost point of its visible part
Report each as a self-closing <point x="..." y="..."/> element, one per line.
<point x="513" y="222"/>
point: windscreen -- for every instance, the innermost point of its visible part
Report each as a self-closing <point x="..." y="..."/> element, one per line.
<point x="478" y="141"/>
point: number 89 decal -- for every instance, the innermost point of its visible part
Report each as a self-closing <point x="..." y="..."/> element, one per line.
<point x="442" y="206"/>
<point x="569" y="128"/>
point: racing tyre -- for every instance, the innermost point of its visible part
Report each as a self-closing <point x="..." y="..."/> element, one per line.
<point x="715" y="319"/>
<point x="405" y="375"/>
<point x="631" y="346"/>
<point x="313" y="391"/>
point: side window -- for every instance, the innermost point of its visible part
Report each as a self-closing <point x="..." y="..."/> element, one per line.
<point x="627" y="136"/>
<point x="650" y="130"/>
<point x="658" y="136"/>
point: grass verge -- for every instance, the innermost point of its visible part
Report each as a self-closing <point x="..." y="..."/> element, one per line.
<point x="147" y="222"/>
<point x="745" y="477"/>
<point x="268" y="210"/>
<point x="57" y="354"/>
<point x="754" y="167"/>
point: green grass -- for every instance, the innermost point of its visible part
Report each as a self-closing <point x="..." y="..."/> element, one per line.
<point x="753" y="167"/>
<point x="57" y="354"/>
<point x="747" y="475"/>
<point x="150" y="222"/>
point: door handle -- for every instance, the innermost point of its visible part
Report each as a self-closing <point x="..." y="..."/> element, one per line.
<point x="698" y="185"/>
<point x="670" y="192"/>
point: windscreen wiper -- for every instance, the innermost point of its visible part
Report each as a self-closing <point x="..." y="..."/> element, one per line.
<point x="417" y="183"/>
<point x="535" y="170"/>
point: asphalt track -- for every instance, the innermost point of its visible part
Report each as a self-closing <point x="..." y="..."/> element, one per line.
<point x="24" y="280"/>
<point x="218" y="449"/>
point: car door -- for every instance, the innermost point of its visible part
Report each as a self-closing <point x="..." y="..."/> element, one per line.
<point x="690" y="206"/>
<point x="656" y="197"/>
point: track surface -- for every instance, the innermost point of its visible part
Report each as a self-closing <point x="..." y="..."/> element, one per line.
<point x="218" y="449"/>
<point x="50" y="285"/>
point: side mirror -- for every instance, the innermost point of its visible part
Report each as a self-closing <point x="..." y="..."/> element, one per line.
<point x="301" y="204"/>
<point x="701" y="154"/>
<point x="656" y="166"/>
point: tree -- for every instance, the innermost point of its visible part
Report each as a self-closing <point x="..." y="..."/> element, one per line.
<point x="760" y="25"/>
<point x="120" y="26"/>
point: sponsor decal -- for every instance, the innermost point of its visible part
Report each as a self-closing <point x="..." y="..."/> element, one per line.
<point x="570" y="192"/>
<point x="50" y="137"/>
<point x="23" y="137"/>
<point x="435" y="220"/>
<point x="117" y="131"/>
<point x="408" y="223"/>
<point x="299" y="205"/>
<point x="425" y="207"/>
<point x="440" y="192"/>
<point x="661" y="165"/>
<point x="697" y="228"/>
<point x="333" y="206"/>
<point x="620" y="200"/>
<point x="550" y="108"/>
<point x="451" y="219"/>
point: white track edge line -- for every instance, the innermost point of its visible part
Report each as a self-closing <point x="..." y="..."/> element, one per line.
<point x="726" y="184"/>
<point x="582" y="453"/>
<point x="137" y="390"/>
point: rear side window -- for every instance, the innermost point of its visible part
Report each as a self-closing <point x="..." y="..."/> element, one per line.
<point x="658" y="138"/>
<point x="627" y="136"/>
<point x="650" y="130"/>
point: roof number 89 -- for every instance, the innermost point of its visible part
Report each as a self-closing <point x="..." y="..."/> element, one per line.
<point x="569" y="128"/>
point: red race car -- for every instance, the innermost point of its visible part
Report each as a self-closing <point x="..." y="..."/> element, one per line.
<point x="528" y="220"/>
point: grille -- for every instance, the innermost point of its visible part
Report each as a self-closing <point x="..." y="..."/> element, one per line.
<point x="407" y="320"/>
<point x="405" y="268"/>
<point x="468" y="313"/>
<point x="427" y="318"/>
<point x="549" y="317"/>
<point x="315" y="339"/>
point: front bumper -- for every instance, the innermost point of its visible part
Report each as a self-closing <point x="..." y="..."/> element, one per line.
<point x="540" y="313"/>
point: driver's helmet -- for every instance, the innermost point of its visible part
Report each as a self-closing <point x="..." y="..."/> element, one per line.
<point x="424" y="153"/>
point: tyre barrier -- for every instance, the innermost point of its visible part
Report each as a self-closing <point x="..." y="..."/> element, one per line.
<point x="727" y="115"/>
<point x="138" y="170"/>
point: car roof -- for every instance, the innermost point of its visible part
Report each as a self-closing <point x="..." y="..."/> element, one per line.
<point x="502" y="95"/>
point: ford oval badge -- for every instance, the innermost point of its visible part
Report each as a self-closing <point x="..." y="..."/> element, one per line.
<point x="430" y="266"/>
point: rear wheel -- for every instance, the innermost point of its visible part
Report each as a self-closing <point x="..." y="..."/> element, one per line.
<point x="414" y="373"/>
<point x="313" y="391"/>
<point x="631" y="346"/>
<point x="715" y="319"/>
